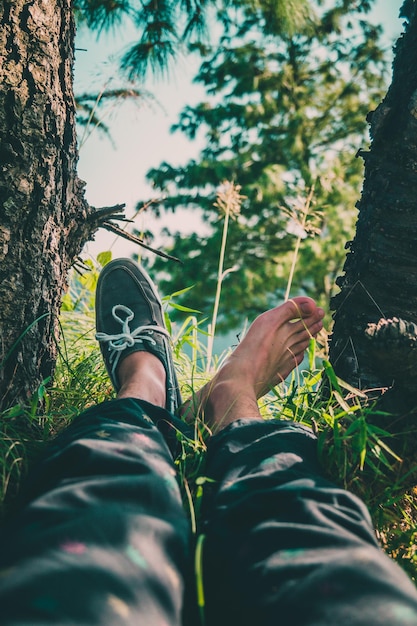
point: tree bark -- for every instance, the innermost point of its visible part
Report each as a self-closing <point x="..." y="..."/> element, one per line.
<point x="380" y="272"/>
<point x="44" y="216"/>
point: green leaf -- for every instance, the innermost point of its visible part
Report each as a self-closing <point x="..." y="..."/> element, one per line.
<point x="312" y="354"/>
<point x="180" y="292"/>
<point x="104" y="257"/>
<point x="180" y="307"/>
<point x="168" y="323"/>
<point x="331" y="375"/>
<point x="67" y="303"/>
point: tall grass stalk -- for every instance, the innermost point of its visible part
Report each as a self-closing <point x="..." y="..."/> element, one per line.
<point x="228" y="202"/>
<point x="302" y="224"/>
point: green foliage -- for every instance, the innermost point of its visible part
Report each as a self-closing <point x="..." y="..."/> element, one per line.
<point x="164" y="28"/>
<point x="102" y="14"/>
<point x="285" y="111"/>
<point x="169" y="27"/>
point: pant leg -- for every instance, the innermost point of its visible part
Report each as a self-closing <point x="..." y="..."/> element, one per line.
<point x="103" y="538"/>
<point x="285" y="546"/>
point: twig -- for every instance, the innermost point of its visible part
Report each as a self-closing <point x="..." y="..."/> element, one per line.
<point x="122" y="233"/>
<point x="101" y="219"/>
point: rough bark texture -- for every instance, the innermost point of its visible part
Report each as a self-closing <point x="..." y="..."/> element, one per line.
<point x="44" y="217"/>
<point x="380" y="279"/>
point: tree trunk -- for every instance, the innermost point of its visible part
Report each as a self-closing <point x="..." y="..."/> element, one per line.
<point x="43" y="211"/>
<point x="380" y="272"/>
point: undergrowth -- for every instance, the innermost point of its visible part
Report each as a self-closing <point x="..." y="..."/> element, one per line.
<point x="354" y="450"/>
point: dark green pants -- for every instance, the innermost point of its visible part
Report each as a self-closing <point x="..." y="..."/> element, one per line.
<point x="103" y="537"/>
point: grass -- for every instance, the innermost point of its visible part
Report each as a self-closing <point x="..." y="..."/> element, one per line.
<point x="355" y="451"/>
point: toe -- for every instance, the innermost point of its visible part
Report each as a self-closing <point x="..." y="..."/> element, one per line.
<point x="302" y="306"/>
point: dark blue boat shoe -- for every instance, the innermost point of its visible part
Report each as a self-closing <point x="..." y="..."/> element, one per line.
<point x="129" y="318"/>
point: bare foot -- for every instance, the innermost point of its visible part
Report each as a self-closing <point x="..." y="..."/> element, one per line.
<point x="142" y="375"/>
<point x="273" y="346"/>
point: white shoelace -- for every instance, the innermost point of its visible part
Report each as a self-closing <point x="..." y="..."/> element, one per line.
<point x="127" y="338"/>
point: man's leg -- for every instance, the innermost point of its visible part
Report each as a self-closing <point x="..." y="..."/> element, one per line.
<point x="104" y="538"/>
<point x="282" y="544"/>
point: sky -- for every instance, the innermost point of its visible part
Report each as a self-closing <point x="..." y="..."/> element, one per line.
<point x="115" y="170"/>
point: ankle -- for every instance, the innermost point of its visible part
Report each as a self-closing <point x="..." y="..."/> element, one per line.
<point x="225" y="401"/>
<point x="153" y="393"/>
<point x="142" y="376"/>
